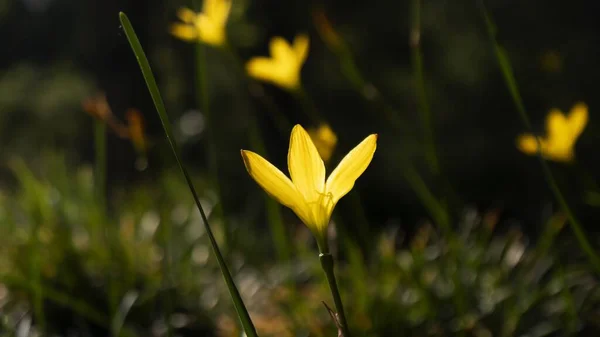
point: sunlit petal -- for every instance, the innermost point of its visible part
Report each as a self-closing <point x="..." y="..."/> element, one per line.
<point x="578" y="118"/>
<point x="527" y="144"/>
<point x="557" y="127"/>
<point x="350" y="168"/>
<point x="300" y="47"/>
<point x="281" y="50"/>
<point x="272" y="180"/>
<point x="324" y="139"/>
<point x="305" y="165"/>
<point x="261" y="68"/>
<point x="184" y="31"/>
<point x="186" y="15"/>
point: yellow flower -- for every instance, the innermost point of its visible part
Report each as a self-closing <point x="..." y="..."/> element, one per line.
<point x="283" y="67"/>
<point x="562" y="133"/>
<point x="207" y="26"/>
<point x="324" y="139"/>
<point x="308" y="194"/>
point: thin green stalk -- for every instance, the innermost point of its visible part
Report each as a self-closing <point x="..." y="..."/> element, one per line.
<point x="105" y="234"/>
<point x="213" y="164"/>
<point x="327" y="265"/>
<point x="242" y="312"/>
<point x="100" y="162"/>
<point x="424" y="109"/>
<point x="511" y="83"/>
<point x="165" y="232"/>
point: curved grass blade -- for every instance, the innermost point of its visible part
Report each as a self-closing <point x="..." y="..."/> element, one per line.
<point x="511" y="83"/>
<point x="160" y="108"/>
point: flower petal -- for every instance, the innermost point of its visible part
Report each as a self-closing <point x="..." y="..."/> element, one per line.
<point x="527" y="144"/>
<point x="305" y="165"/>
<point x="557" y="127"/>
<point x="184" y="32"/>
<point x="578" y="118"/>
<point x="186" y="15"/>
<point x="281" y="50"/>
<point x="262" y="68"/>
<point x="300" y="47"/>
<point x="342" y="179"/>
<point x="272" y="180"/>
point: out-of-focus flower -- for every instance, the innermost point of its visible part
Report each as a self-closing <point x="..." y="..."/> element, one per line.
<point x="324" y="139"/>
<point x="207" y="26"/>
<point x="98" y="107"/>
<point x="283" y="67"/>
<point x="308" y="194"/>
<point x="326" y="30"/>
<point x="562" y="132"/>
<point x="135" y="125"/>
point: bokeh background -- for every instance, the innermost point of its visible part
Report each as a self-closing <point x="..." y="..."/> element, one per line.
<point x="58" y="260"/>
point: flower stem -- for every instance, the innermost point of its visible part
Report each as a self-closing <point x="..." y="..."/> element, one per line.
<point x="327" y="265"/>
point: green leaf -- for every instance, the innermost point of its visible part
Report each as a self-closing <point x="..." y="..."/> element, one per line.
<point x="160" y="108"/>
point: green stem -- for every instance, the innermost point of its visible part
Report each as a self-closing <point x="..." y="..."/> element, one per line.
<point x="424" y="109"/>
<point x="140" y="55"/>
<point x="511" y="83"/>
<point x="100" y="162"/>
<point x="327" y="265"/>
<point x="213" y="165"/>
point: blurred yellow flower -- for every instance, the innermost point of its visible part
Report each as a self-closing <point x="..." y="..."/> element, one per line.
<point x="562" y="133"/>
<point x="308" y="194"/>
<point x="324" y="139"/>
<point x="207" y="26"/>
<point x="283" y="67"/>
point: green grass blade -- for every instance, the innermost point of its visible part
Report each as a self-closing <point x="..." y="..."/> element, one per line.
<point x="511" y="83"/>
<point x="160" y="108"/>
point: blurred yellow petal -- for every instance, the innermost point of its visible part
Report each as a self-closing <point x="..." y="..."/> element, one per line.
<point x="271" y="179"/>
<point x="342" y="179"/>
<point x="305" y="165"/>
<point x="184" y="32"/>
<point x="324" y="139"/>
<point x="557" y="127"/>
<point x="527" y="144"/>
<point x="281" y="50"/>
<point x="300" y="47"/>
<point x="261" y="68"/>
<point x="186" y="15"/>
<point x="578" y="118"/>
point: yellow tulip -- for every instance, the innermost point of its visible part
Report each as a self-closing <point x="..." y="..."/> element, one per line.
<point x="562" y="133"/>
<point x="324" y="139"/>
<point x="207" y="26"/>
<point x="307" y="193"/>
<point x="283" y="67"/>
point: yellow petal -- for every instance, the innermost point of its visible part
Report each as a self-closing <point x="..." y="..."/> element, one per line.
<point x="305" y="165"/>
<point x="272" y="180"/>
<point x="578" y="118"/>
<point x="300" y="46"/>
<point x="209" y="32"/>
<point x="527" y="144"/>
<point x="261" y="68"/>
<point x="281" y="50"/>
<point x="186" y="15"/>
<point x="557" y="127"/>
<point x="184" y="32"/>
<point x="350" y="168"/>
<point x="324" y="139"/>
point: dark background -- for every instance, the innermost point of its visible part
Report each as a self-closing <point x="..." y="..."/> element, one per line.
<point x="55" y="53"/>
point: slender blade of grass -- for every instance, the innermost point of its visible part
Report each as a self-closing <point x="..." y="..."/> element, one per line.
<point x="160" y="108"/>
<point x="511" y="83"/>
